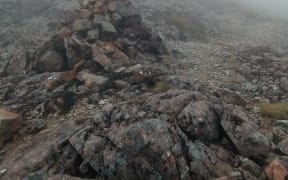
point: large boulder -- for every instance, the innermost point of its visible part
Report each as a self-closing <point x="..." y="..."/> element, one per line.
<point x="136" y="137"/>
<point x="200" y="121"/>
<point x="50" y="61"/>
<point x="244" y="135"/>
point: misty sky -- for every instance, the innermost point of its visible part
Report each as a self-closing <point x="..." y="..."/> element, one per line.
<point x="278" y="7"/>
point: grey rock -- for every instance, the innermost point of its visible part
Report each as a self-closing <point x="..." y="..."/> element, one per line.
<point x="279" y="134"/>
<point x="76" y="50"/>
<point x="94" y="98"/>
<point x="99" y="57"/>
<point x="132" y="52"/>
<point x="250" y="166"/>
<point x="115" y="19"/>
<point x="250" y="87"/>
<point x="199" y="120"/>
<point x="132" y="20"/>
<point x="50" y="61"/>
<point x="99" y="18"/>
<point x="243" y="134"/>
<point x="124" y="9"/>
<point x="126" y="42"/>
<point x="36" y="125"/>
<point x="82" y="25"/>
<point x="136" y="137"/>
<point x="93" y="35"/>
<point x="165" y="103"/>
<point x="108" y="31"/>
<point x="283" y="146"/>
<point x="4" y="56"/>
<point x="283" y="124"/>
<point x="284" y="84"/>
<point x="204" y="162"/>
<point x="36" y="176"/>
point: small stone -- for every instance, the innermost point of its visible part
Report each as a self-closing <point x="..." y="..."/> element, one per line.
<point x="99" y="18"/>
<point x="279" y="134"/>
<point x="283" y="146"/>
<point x="3" y="171"/>
<point x="108" y="31"/>
<point x="94" y="98"/>
<point x="235" y="174"/>
<point x="84" y="3"/>
<point x="102" y="102"/>
<point x="82" y="25"/>
<point x="283" y="124"/>
<point x="4" y="56"/>
<point x="99" y="56"/>
<point x="93" y="35"/>
<point x="136" y="137"/>
<point x="269" y="135"/>
<point x="36" y="125"/>
<point x="251" y="167"/>
<point x="141" y="114"/>
<point x="92" y="81"/>
<point x="251" y="87"/>
<point x="284" y="84"/>
<point x="256" y="109"/>
<point x="115" y="19"/>
<point x="132" y="52"/>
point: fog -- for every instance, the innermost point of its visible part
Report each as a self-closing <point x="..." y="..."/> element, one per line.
<point x="273" y="7"/>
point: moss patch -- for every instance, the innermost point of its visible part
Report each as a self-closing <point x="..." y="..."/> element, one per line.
<point x="160" y="87"/>
<point x="275" y="110"/>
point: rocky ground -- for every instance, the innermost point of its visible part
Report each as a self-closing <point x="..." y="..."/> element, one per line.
<point x="126" y="90"/>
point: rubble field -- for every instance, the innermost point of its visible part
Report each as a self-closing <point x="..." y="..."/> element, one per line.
<point x="99" y="89"/>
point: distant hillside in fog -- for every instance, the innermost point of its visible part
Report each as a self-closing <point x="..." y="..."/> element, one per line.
<point x="277" y="7"/>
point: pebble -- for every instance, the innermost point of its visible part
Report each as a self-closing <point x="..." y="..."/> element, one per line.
<point x="4" y="56"/>
<point x="2" y="172"/>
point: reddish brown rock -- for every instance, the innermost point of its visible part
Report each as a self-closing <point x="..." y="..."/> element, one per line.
<point x="276" y="171"/>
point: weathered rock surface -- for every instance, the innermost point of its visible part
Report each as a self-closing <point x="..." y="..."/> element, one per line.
<point x="82" y="25"/>
<point x="199" y="120"/>
<point x="50" y="61"/>
<point x="10" y="123"/>
<point x="248" y="141"/>
<point x="283" y="146"/>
